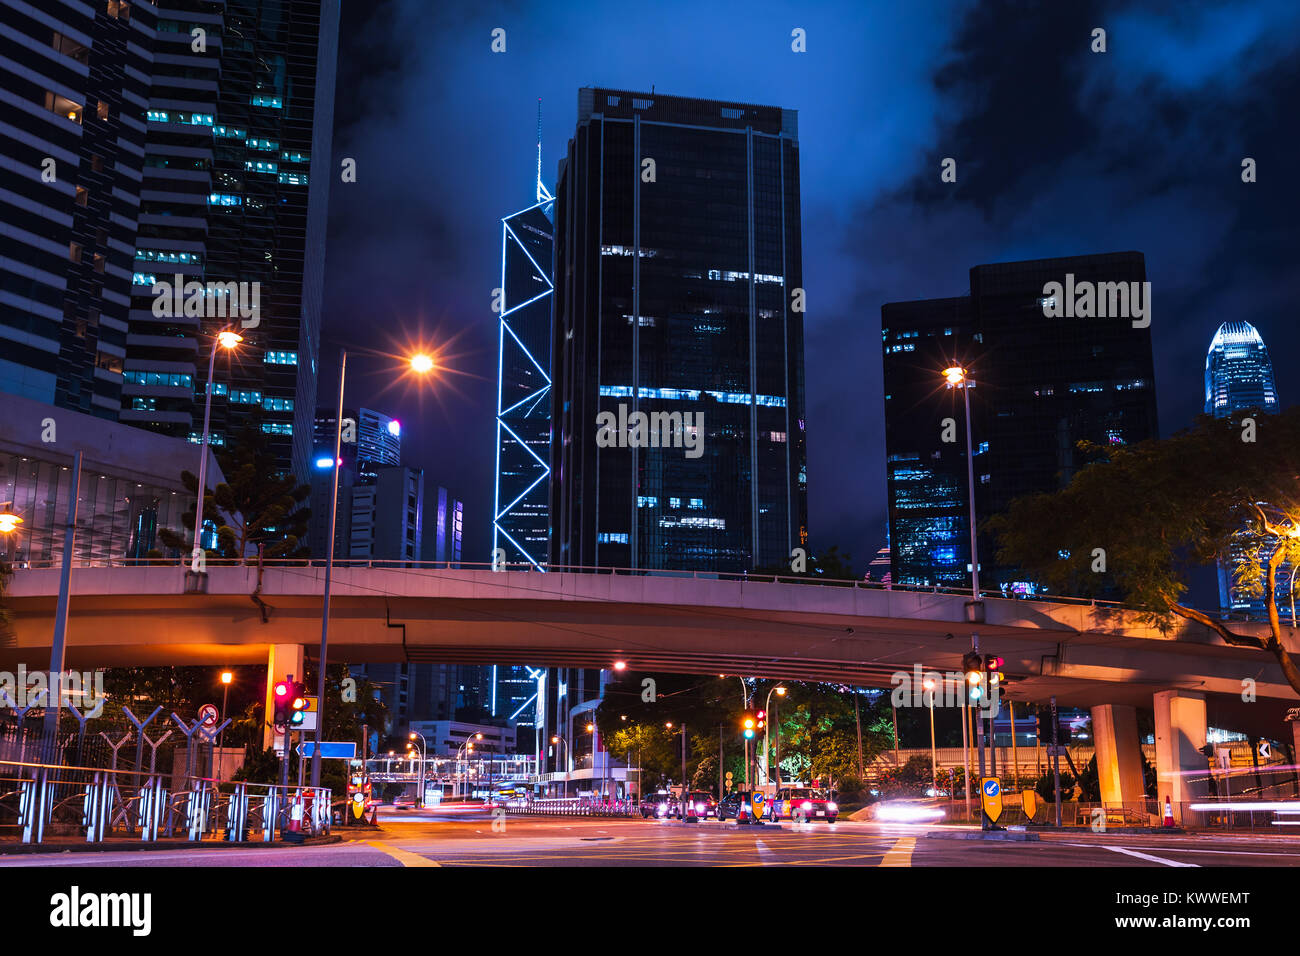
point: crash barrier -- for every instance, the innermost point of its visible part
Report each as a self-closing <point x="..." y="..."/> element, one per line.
<point x="574" y="807"/>
<point x="40" y="801"/>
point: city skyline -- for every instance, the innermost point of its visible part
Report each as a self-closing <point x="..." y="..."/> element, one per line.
<point x="880" y="225"/>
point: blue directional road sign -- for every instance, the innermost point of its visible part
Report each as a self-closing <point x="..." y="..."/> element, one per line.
<point x="339" y="749"/>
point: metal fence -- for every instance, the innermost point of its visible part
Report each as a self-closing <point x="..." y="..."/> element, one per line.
<point x="1272" y="816"/>
<point x="43" y="801"/>
<point x="574" y="807"/>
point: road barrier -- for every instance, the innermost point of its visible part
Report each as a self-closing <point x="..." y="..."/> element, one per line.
<point x="573" y="807"/>
<point x="40" y="801"/>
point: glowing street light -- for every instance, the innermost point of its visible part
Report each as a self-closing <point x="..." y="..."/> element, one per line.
<point x="9" y="523"/>
<point x="226" y="339"/>
<point x="421" y="364"/>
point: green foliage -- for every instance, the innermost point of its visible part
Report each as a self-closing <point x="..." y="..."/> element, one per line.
<point x="1154" y="507"/>
<point x="260" y="766"/>
<point x="257" y="504"/>
<point x="1045" y="787"/>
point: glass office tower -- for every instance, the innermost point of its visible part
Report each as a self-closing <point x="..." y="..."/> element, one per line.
<point x="679" y="292"/>
<point x="521" y="510"/>
<point x="1239" y="378"/>
<point x="1042" y="385"/>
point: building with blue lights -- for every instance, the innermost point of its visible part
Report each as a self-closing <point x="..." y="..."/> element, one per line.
<point x="679" y="293"/>
<point x="1239" y="378"/>
<point x="521" y="500"/>
<point x="1042" y="385"/>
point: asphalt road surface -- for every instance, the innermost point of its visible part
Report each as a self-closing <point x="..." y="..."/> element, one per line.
<point x="413" y="839"/>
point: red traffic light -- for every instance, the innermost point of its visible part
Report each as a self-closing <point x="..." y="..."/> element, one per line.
<point x="282" y="689"/>
<point x="993" y="663"/>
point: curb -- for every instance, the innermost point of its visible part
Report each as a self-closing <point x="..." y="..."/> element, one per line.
<point x="997" y="836"/>
<point x="26" y="849"/>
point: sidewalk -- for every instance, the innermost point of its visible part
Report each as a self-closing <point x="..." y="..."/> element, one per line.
<point x="124" y="844"/>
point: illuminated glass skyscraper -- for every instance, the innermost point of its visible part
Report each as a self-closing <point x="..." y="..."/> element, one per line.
<point x="679" y="291"/>
<point x="1042" y="385"/>
<point x="1239" y="377"/>
<point x="520" y="511"/>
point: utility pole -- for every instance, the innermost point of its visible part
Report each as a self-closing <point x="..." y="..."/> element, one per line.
<point x="1056" y="761"/>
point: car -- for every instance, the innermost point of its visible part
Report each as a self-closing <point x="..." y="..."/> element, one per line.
<point x="656" y="805"/>
<point x="803" y="803"/>
<point x="703" y="803"/>
<point x="733" y="805"/>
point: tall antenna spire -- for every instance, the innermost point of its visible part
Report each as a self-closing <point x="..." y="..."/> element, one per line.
<point x="542" y="193"/>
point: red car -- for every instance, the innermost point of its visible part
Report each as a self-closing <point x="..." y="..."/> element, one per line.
<point x="803" y="803"/>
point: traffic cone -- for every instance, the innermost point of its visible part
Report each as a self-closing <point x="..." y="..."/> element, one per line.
<point x="1169" y="813"/>
<point x="295" y="822"/>
<point x="374" y="815"/>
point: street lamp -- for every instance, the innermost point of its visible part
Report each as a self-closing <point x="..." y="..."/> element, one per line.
<point x="226" y="339"/>
<point x="934" y="778"/>
<point x="466" y="748"/>
<point x="424" y="751"/>
<point x="958" y="377"/>
<point x="767" y="725"/>
<point x="226" y="678"/>
<point x="421" y="364"/>
<point x="557" y="739"/>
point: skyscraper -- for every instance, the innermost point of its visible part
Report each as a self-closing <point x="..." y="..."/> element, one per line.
<point x="190" y="147"/>
<point x="678" y="297"/>
<point x="521" y="506"/>
<point x="1042" y="384"/>
<point x="1238" y="378"/>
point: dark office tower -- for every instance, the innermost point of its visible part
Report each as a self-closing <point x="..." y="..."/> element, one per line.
<point x="678" y="294"/>
<point x="520" y="512"/>
<point x="74" y="83"/>
<point x="239" y="165"/>
<point x="1043" y="383"/>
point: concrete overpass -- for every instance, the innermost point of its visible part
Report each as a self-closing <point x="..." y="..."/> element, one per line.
<point x="1087" y="656"/>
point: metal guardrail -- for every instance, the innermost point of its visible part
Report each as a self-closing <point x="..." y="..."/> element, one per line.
<point x="574" y="807"/>
<point x="739" y="576"/>
<point x="36" y="800"/>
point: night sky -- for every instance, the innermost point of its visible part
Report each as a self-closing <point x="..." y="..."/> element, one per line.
<point x="1060" y="151"/>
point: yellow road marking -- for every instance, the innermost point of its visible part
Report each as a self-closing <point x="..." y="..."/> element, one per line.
<point x="405" y="857"/>
<point x="900" y="854"/>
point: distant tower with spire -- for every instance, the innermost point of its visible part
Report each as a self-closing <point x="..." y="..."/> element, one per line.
<point x="1238" y="378"/>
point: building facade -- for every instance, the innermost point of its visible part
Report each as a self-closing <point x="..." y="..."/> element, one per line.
<point x="679" y="296"/>
<point x="1043" y="383"/>
<point x="186" y="192"/>
<point x="1239" y="378"/>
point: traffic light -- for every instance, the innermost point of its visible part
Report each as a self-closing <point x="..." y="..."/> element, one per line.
<point x="993" y="667"/>
<point x="973" y="666"/>
<point x="748" y="724"/>
<point x="297" y="705"/>
<point x="762" y="718"/>
<point x="282" y="694"/>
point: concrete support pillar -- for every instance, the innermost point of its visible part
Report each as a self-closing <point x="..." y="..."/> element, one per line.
<point x="1119" y="754"/>
<point x="1181" y="769"/>
<point x="282" y="661"/>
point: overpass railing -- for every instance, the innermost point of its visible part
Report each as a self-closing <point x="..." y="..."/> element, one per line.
<point x="759" y="577"/>
<point x="40" y="802"/>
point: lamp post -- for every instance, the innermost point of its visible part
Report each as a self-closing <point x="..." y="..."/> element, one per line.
<point x="934" y="773"/>
<point x="557" y="739"/>
<point x="744" y="706"/>
<point x="226" y="678"/>
<point x="421" y="364"/>
<point x="424" y="752"/>
<point x="958" y="377"/>
<point x="226" y="339"/>
<point x="779" y="690"/>
<point x="467" y="748"/>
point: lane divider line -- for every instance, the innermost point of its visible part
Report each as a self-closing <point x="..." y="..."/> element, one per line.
<point x="405" y="857"/>
<point x="900" y="854"/>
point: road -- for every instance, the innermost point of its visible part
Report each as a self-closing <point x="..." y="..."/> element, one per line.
<point x="418" y="840"/>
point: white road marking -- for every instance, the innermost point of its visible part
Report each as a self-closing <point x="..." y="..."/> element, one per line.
<point x="1140" y="856"/>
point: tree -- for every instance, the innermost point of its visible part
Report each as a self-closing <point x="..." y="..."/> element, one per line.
<point x="1132" y="520"/>
<point x="257" y="504"/>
